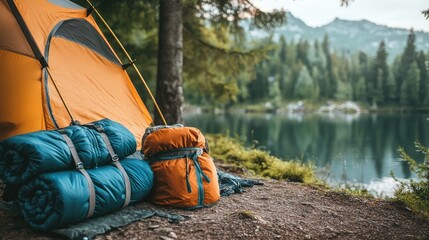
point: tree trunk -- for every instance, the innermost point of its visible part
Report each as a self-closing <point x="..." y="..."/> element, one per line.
<point x="169" y="86"/>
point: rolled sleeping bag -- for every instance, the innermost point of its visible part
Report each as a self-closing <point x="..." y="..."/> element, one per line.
<point x="25" y="156"/>
<point x="55" y="200"/>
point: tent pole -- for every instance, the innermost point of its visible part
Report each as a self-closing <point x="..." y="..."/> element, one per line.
<point x="73" y="121"/>
<point x="130" y="60"/>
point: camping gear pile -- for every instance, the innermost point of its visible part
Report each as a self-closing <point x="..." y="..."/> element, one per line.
<point x="52" y="194"/>
<point x="56" y="67"/>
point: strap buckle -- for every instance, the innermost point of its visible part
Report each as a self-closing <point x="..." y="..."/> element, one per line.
<point x="79" y="165"/>
<point x="61" y="131"/>
<point x="115" y="157"/>
<point x="99" y="128"/>
<point x="199" y="152"/>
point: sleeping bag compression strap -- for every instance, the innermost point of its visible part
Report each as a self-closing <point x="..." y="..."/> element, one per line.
<point x="79" y="166"/>
<point x="115" y="160"/>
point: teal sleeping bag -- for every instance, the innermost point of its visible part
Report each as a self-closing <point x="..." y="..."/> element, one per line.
<point x="54" y="200"/>
<point x="25" y="156"/>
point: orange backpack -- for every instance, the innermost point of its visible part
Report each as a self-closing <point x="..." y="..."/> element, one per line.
<point x="184" y="173"/>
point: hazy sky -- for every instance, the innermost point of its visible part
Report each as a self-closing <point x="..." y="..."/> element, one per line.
<point x="393" y="13"/>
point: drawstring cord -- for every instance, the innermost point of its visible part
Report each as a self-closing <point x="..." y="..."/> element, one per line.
<point x="188" y="185"/>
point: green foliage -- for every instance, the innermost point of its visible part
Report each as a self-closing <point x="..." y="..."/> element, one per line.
<point x="426" y="13"/>
<point x="355" y="190"/>
<point x="424" y="79"/>
<point x="410" y="86"/>
<point x="415" y="194"/>
<point x="260" y="162"/>
<point x="215" y="49"/>
<point x="311" y="71"/>
<point x="222" y="67"/>
<point x="379" y="76"/>
<point x="305" y="87"/>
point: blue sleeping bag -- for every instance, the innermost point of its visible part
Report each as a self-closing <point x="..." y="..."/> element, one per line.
<point x="54" y="200"/>
<point x="25" y="156"/>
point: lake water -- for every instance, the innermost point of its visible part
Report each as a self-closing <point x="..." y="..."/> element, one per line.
<point x="359" y="150"/>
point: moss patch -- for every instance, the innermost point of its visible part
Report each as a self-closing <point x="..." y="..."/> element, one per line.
<point x="232" y="151"/>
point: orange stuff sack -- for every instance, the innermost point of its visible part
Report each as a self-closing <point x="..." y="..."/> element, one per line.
<point x="184" y="173"/>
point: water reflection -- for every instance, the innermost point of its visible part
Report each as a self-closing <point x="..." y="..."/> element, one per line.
<point x="345" y="148"/>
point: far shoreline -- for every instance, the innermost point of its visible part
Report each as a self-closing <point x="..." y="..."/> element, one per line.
<point x="306" y="108"/>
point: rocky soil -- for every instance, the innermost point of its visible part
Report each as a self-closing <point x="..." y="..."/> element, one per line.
<point x="275" y="210"/>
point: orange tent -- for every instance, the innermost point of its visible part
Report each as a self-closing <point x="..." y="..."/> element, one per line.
<point x="44" y="43"/>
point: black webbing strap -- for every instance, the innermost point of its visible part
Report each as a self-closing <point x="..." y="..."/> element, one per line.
<point x="174" y="154"/>
<point x="115" y="160"/>
<point x="79" y="166"/>
<point x="125" y="66"/>
<point x="27" y="33"/>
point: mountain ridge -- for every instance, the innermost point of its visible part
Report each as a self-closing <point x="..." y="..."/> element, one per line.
<point x="349" y="36"/>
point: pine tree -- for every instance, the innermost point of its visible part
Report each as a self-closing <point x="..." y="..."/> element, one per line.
<point x="424" y="79"/>
<point x="390" y="92"/>
<point x="379" y="75"/>
<point x="302" y="53"/>
<point x="283" y="50"/>
<point x="407" y="58"/>
<point x="305" y="87"/>
<point x="360" y="89"/>
<point x="330" y="85"/>
<point x="282" y="67"/>
<point x="341" y="67"/>
<point x="364" y="66"/>
<point x="409" y="54"/>
<point x="410" y="86"/>
<point x="169" y="84"/>
<point x="259" y="87"/>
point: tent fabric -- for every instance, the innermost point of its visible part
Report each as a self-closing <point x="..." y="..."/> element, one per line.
<point x="86" y="36"/>
<point x="66" y="4"/>
<point x="14" y="40"/>
<point x="88" y="73"/>
<point x="101" y="95"/>
<point x="20" y="111"/>
<point x="47" y="202"/>
<point x="25" y="156"/>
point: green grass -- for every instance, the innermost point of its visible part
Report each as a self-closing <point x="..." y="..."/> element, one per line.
<point x="232" y="151"/>
<point x="355" y="190"/>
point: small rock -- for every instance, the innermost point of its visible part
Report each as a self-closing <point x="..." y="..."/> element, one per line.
<point x="260" y="220"/>
<point x="165" y="238"/>
<point x="164" y="229"/>
<point x="172" y="235"/>
<point x="307" y="236"/>
<point x="153" y="226"/>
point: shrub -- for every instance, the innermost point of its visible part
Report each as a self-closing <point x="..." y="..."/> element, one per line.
<point x="415" y="194"/>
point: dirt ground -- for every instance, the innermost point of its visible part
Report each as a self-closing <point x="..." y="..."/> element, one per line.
<point x="275" y="210"/>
